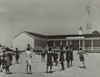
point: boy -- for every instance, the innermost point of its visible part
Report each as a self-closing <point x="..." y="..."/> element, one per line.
<point x="81" y="57"/>
<point x="49" y="60"/>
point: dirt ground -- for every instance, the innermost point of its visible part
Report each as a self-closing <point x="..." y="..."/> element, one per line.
<point x="92" y="61"/>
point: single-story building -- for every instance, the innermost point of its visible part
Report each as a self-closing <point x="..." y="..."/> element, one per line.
<point x="89" y="42"/>
<point x="36" y="41"/>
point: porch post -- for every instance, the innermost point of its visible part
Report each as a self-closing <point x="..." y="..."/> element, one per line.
<point x="83" y="45"/>
<point x="47" y="45"/>
<point x="79" y="44"/>
<point x="61" y="43"/>
<point x="66" y="43"/>
<point x="70" y="42"/>
<point x="92" y="45"/>
<point x="53" y="43"/>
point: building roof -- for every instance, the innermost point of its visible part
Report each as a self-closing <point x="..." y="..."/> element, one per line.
<point x="60" y="36"/>
<point x="37" y="35"/>
<point x="33" y="34"/>
<point x="91" y="35"/>
<point x="75" y="35"/>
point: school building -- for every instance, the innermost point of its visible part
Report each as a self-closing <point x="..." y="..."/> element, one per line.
<point x="36" y="41"/>
<point x="89" y="42"/>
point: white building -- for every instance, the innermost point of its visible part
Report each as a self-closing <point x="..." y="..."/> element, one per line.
<point x="36" y="41"/>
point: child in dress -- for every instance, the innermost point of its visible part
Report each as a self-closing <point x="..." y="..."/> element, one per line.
<point x="28" y="60"/>
<point x="7" y="61"/>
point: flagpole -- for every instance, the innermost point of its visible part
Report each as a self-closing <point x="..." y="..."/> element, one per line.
<point x="88" y="24"/>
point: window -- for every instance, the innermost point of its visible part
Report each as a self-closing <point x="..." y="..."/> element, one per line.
<point x="87" y="43"/>
<point x="96" y="43"/>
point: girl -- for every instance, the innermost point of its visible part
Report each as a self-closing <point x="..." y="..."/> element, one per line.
<point x="28" y="60"/>
<point x="7" y="61"/>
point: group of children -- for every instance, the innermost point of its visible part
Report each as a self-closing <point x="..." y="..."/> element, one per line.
<point x="52" y="56"/>
<point x="6" y="58"/>
<point x="69" y="57"/>
<point x="62" y="58"/>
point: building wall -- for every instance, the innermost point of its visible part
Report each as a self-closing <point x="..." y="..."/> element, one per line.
<point x="39" y="43"/>
<point x="87" y="43"/>
<point x="84" y="44"/>
<point x="50" y="43"/>
<point x="75" y="44"/>
<point x="22" y="40"/>
<point x="57" y="43"/>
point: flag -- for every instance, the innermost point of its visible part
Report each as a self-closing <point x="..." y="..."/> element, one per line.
<point x="88" y="10"/>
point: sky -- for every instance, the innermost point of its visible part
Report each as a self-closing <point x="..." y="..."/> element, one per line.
<point x="48" y="17"/>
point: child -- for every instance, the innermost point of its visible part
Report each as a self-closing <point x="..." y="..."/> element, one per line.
<point x="68" y="56"/>
<point x="55" y="56"/>
<point x="43" y="55"/>
<point x="7" y="61"/>
<point x="62" y="58"/>
<point x="28" y="60"/>
<point x="81" y="57"/>
<point x="49" y="60"/>
<point x="1" y="63"/>
<point x="71" y="55"/>
<point x="17" y="55"/>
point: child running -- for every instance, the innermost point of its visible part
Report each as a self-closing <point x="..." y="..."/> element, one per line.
<point x="81" y="57"/>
